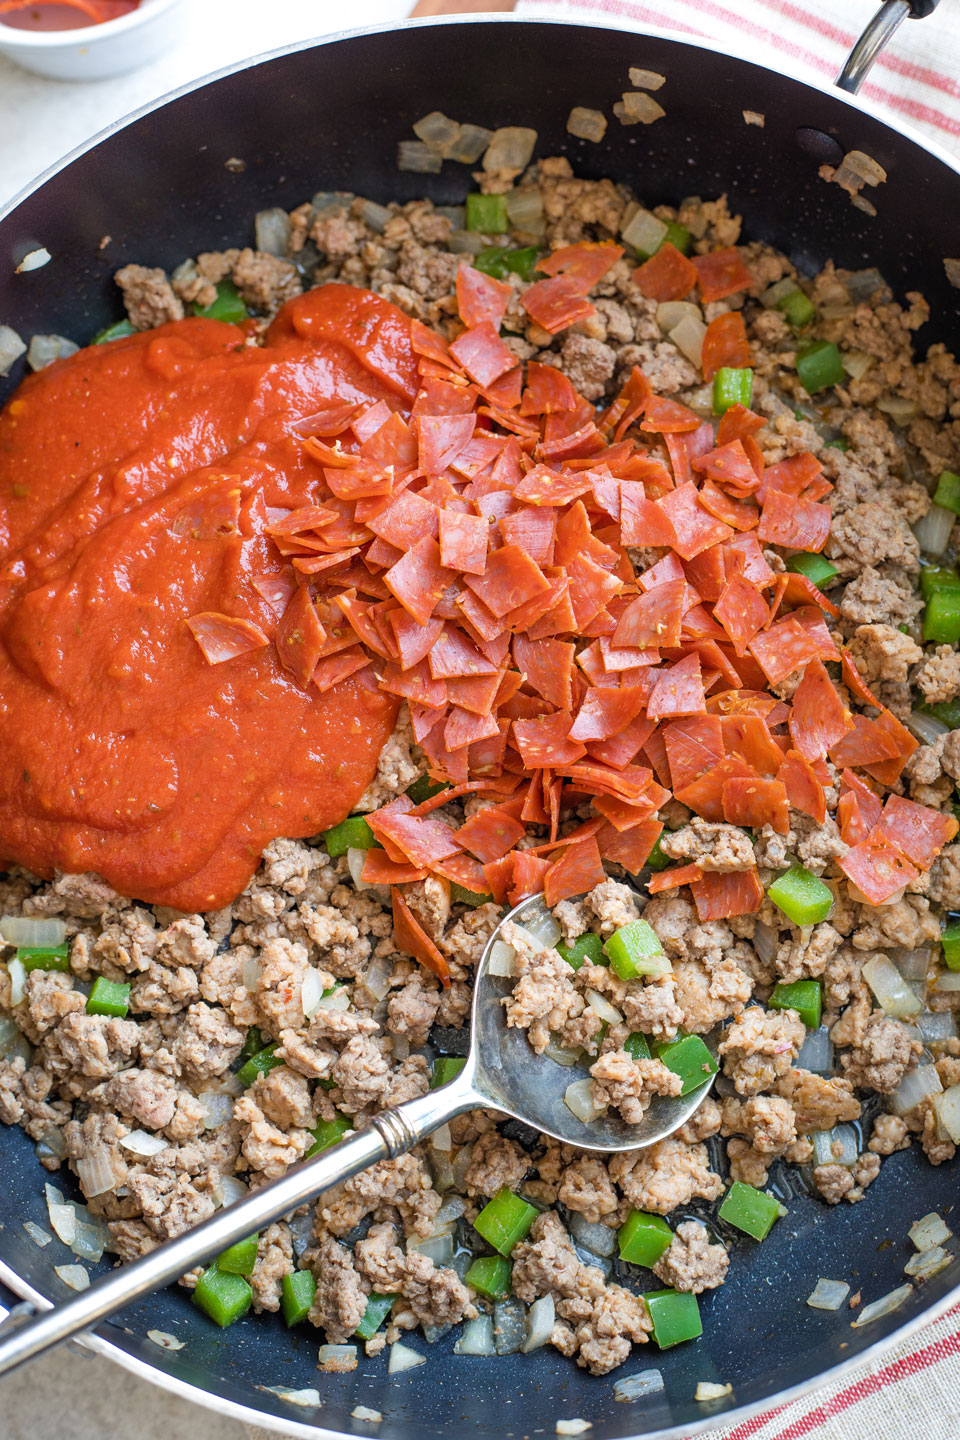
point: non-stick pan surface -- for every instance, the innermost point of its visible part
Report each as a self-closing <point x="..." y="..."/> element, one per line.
<point x="328" y="118"/>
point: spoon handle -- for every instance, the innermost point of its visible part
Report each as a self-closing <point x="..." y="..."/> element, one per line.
<point x="388" y="1135"/>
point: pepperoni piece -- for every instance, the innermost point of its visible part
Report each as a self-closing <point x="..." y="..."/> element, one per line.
<point x="629" y="848"/>
<point x="696" y="529"/>
<point x="721" y="273"/>
<point x="705" y="794"/>
<point x="454" y="653"/>
<point x="406" y="520"/>
<point x="548" y="667"/>
<point x="299" y="637"/>
<point x="548" y="391"/>
<point x="742" y="515"/>
<point x="440" y="439"/>
<point x="332" y="669"/>
<point x="629" y="404"/>
<point x="543" y="486"/>
<point x="490" y="833"/>
<point x="673" y="879"/>
<point x="527" y="875"/>
<point x="719" y="895"/>
<point x="481" y="298"/>
<point x="804" y="791"/>
<point x="667" y="275"/>
<point x="785" y="647"/>
<point x="755" y="803"/>
<point x="653" y="618"/>
<point x="415" y="684"/>
<point x="591" y="586"/>
<point x="379" y="869"/>
<point x="423" y="840"/>
<point x="584" y="264"/>
<point x="742" y="611"/>
<point x="483" y="354"/>
<point x="693" y="744"/>
<point x="668" y="417"/>
<point x="794" y="523"/>
<point x="643" y="522"/>
<point x="726" y="344"/>
<point x="467" y="727"/>
<point x="463" y="541"/>
<point x="578" y="869"/>
<point x="533" y="529"/>
<point x="888" y="771"/>
<point x="877" y="870"/>
<point x="555" y="303"/>
<point x="738" y="423"/>
<point x="510" y="579"/>
<point x="225" y="637"/>
<point x="678" y="690"/>
<point x="865" y="744"/>
<point x="819" y="718"/>
<point x="855" y="682"/>
<point x="418" y="579"/>
<point x="917" y="831"/>
<point x="410" y="938"/>
<point x="728" y="465"/>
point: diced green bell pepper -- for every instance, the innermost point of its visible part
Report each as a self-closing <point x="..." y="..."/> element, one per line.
<point x="635" y="950"/>
<point x="505" y="1220"/>
<point x="816" y="568"/>
<point x="657" y="860"/>
<point x="637" y="1046"/>
<point x="488" y="214"/>
<point x="108" y="997"/>
<point x="798" y="308"/>
<point x="222" y="1296"/>
<point x="378" y="1308"/>
<point x="842" y="444"/>
<point x="804" y="996"/>
<point x="688" y="1057"/>
<point x="802" y="897"/>
<point x="45" y="957"/>
<point x="227" y="307"/>
<point x="749" y="1210"/>
<point x="948" y="711"/>
<point x="423" y="788"/>
<point x="327" y="1133"/>
<point x="675" y="1315"/>
<point x="947" y="492"/>
<point x="240" y="1258"/>
<point x="260" y="1064"/>
<point x="937" y="577"/>
<point x="490" y="1275"/>
<point x="950" y="940"/>
<point x="732" y="387"/>
<point x="679" y="236"/>
<point x="819" y="366"/>
<point x="499" y="262"/>
<point x="116" y="331"/>
<point x="643" y="1238"/>
<point x="445" y="1069"/>
<point x="475" y="898"/>
<point x="351" y="834"/>
<point x="585" y="947"/>
<point x="941" y="618"/>
<point x="252" y="1044"/>
<point x="296" y="1295"/>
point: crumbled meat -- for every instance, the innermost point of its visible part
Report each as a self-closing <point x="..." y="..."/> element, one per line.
<point x="665" y="1175"/>
<point x="340" y="1301"/>
<point x="652" y="1007"/>
<point x="707" y="996"/>
<point x="818" y="1103"/>
<point x="883" y="653"/>
<point x="264" y="281"/>
<point x="890" y="1133"/>
<point x="711" y="846"/>
<point x="274" y="1260"/>
<point x="767" y="1121"/>
<point x="495" y="1161"/>
<point x="613" y="904"/>
<point x="837" y="1182"/>
<point x="884" y="1055"/>
<point x="396" y="768"/>
<point x="586" y="1187"/>
<point x="760" y="1046"/>
<point x="629" y="1085"/>
<point x="690" y="1262"/>
<point x="874" y="597"/>
<point x="544" y="998"/>
<point x="939" y="675"/>
<point x="148" y="297"/>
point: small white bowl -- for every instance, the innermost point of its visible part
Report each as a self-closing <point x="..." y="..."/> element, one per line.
<point x="97" y="52"/>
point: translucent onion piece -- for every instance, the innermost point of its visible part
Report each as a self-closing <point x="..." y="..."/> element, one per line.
<point x="9" y="1030"/>
<point x="375" y="980"/>
<point x="816" y="1052"/>
<point x="441" y="1138"/>
<point x="927" y="1263"/>
<point x="644" y="231"/>
<point x="771" y="298"/>
<point x="469" y="144"/>
<point x="141" y="1142"/>
<point x="230" y="1085"/>
<point x="272" y="230"/>
<point x="884" y="1306"/>
<point x="374" y="216"/>
<point x="217" y="1108"/>
<point x="32" y="930"/>
<point x="53" y="1143"/>
<point x="92" y="1236"/>
<point x="933" y="529"/>
<point x="63" y="1217"/>
<point x="311" y="993"/>
<point x="456" y="214"/>
<point x="436" y="130"/>
<point x="754" y="117"/>
<point x="864" y="284"/>
<point x="44" y="349"/>
<point x="449" y="1213"/>
<point x="433" y="1333"/>
<point x="709" y="1390"/>
<point x="864" y="167"/>
<point x="602" y="1007"/>
<point x="35" y="260"/>
<point x="560" y="1055"/>
<point x="947" y="981"/>
<point x="95" y="1171"/>
<point x="250" y="974"/>
<point x="688" y="337"/>
<point x="952" y="268"/>
<point x="914" y="1088"/>
<point x="929" y="1230"/>
<point x="846" y="1145"/>
<point x="438" y="1248"/>
<point x="18" y="981"/>
<point x="11" y="348"/>
<point x="894" y="995"/>
<point x="638" y="105"/>
<point x="926" y="728"/>
<point x="37" y="1235"/>
<point x="540" y="1323"/>
<point x="74" y="1276"/>
<point x="828" y="1295"/>
<point x="766" y="941"/>
<point x="900" y="410"/>
<point x="466" y="242"/>
<point x="363" y="1412"/>
<point x="418" y="159"/>
<point x="461" y="1164"/>
<point x="232" y="1189"/>
<point x="339" y="999"/>
<point x="340" y="1355"/>
<point x="634" y="1387"/>
<point x="573" y="1427"/>
<point x="646" y="79"/>
<point x="503" y="960"/>
<point x="857" y="363"/>
<point x="598" y="1239"/>
<point x="402" y="1357"/>
<point x="544" y="929"/>
<point x="511" y="148"/>
<point x="578" y="1097"/>
<point x="947" y="1108"/>
<point x="476" y="1338"/>
<point x="441" y="1170"/>
<point x="587" y="124"/>
<point x="935" y="1027"/>
<point x="308" y="1397"/>
<point x="509" y="1325"/>
<point x="165" y="1340"/>
<point x="671" y="312"/>
<point x="912" y="964"/>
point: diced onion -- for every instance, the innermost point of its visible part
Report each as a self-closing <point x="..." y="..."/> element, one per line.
<point x="250" y="974"/>
<point x="644" y="231"/>
<point x="828" y="1295"/>
<point x="461" y="1164"/>
<point x="587" y="124"/>
<point x="456" y="214"/>
<point x="441" y="1138"/>
<point x="338" y="1357"/>
<point x="838" y="1146"/>
<point x="309" y="1396"/>
<point x="578" y="1098"/>
<point x="754" y="117"/>
<point x="525" y="208"/>
<point x="37" y="1235"/>
<point x="634" y="1387"/>
<point x="272" y="230"/>
<point x="75" y="1276"/>
<point x="598" y="1239"/>
<point x="402" y="1357"/>
<point x="771" y="298"/>
<point x="926" y="728"/>
<point x="708" y="1390"/>
<point x="436" y="130"/>
<point x="688" y="337"/>
<point x="449" y="1213"/>
<point x="900" y="409"/>
<point x="469" y="144"/>
<point x="884" y="1306"/>
<point x="947" y="1110"/>
<point x="34" y="260"/>
<point x="466" y="242"/>
<point x="217" y="1108"/>
<point x="91" y="1237"/>
<point x="540" y="1323"/>
<point x="476" y="1338"/>
<point x="64" y="1224"/>
<point x="543" y="927"/>
<point x="816" y="1052"/>
<point x="438" y="1248"/>
<point x="165" y="1340"/>
<point x="375" y="217"/>
<point x="671" y="312"/>
<point x="560" y="1055"/>
<point x="912" y="964"/>
<point x="338" y="999"/>
<point x="927" y="1263"/>
<point x="766" y="942"/>
<point x="602" y="1007"/>
<point x="503" y="960"/>
<point x="141" y="1142"/>
<point x="375" y="980"/>
<point x="646" y="79"/>
<point x="18" y="980"/>
<point x="33" y="930"/>
<point x="857" y="363"/>
<point x="952" y="268"/>
<point x="232" y="1189"/>
<point x="573" y="1427"/>
<point x="864" y="284"/>
<point x="929" y="1230"/>
<point x="947" y="981"/>
<point x="936" y="1026"/>
<point x="51" y="1142"/>
<point x="9" y="1030"/>
<point x="933" y="529"/>
<point x="638" y="105"/>
<point x="44" y="349"/>
<point x="355" y="863"/>
<point x="311" y="993"/>
<point x="11" y="348"/>
<point x="363" y="1412"/>
<point x="509" y="1325"/>
<point x="511" y="148"/>
<point x="919" y="1085"/>
<point x="894" y="995"/>
<point x="418" y="159"/>
<point x="95" y="1171"/>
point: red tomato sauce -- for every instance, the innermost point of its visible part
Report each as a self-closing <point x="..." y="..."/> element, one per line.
<point x="137" y="480"/>
<point x="49" y="15"/>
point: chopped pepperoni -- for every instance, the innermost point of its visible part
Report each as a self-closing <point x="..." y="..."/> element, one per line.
<point x="804" y="791"/>
<point x="794" y="523"/>
<point x="441" y="438"/>
<point x="719" y="895"/>
<point x="548" y="391"/>
<point x="728" y="465"/>
<point x="742" y="611"/>
<point x="299" y="637"/>
<point x="678" y="690"/>
<point x="742" y="515"/>
<point x="693" y="744"/>
<point x="738" y="423"/>
<point x="643" y="522"/>
<point x="888" y="771"/>
<point x="726" y="345"/>
<point x="877" y="870"/>
<point x="668" y="417"/>
<point x="785" y="647"/>
<point x="865" y="743"/>
<point x="578" y="869"/>
<point x="454" y="653"/>
<point x="584" y="264"/>
<point x="463" y="541"/>
<point x="483" y="354"/>
<point x="225" y="637"/>
<point x="410" y="938"/>
<point x="510" y="579"/>
<point x="667" y="275"/>
<point x="855" y="682"/>
<point x="673" y="879"/>
<point x="544" y="486"/>
<point x="379" y="869"/>
<point x="721" y="273"/>
<point x="548" y="668"/>
<point x="705" y="794"/>
<point x="654" y="618"/>
<point x="418" y="579"/>
<point x="755" y="802"/>
<point x="527" y="875"/>
<point x="916" y="831"/>
<point x="533" y="529"/>
<point x="556" y="303"/>
<point x="818" y="718"/>
<point x="629" y="848"/>
<point x="333" y="669"/>
<point x="696" y="529"/>
<point x="490" y="833"/>
<point x="481" y="298"/>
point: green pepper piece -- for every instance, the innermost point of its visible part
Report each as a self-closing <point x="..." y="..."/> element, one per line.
<point x="657" y="860"/>
<point x="327" y="1133"/>
<point x="798" y="308"/>
<point x="504" y="1220"/>
<point x="474" y="898"/>
<point x="117" y="331"/>
<point x="635" y="950"/>
<point x="749" y="1209"/>
<point x="643" y="1238"/>
<point x="240" y="1258"/>
<point x="378" y="1308"/>
<point x="675" y="1315"/>
<point x="423" y="788"/>
<point x="108" y="997"/>
<point x="45" y="957"/>
<point x="679" y="236"/>
<point x="802" y="897"/>
<point x="488" y="214"/>
<point x="490" y="1276"/>
<point x="252" y="1044"/>
<point x="351" y="834"/>
<point x="688" y="1057"/>
<point x="296" y="1295"/>
<point x="445" y="1069"/>
<point x="222" y="1296"/>
<point x="227" y="307"/>
<point x="585" y="947"/>
<point x="804" y="996"/>
<point x="637" y="1046"/>
<point x="815" y="567"/>
<point x="947" y="492"/>
<point x="950" y="940"/>
<point x="842" y="444"/>
<point x="731" y="387"/>
<point x="819" y="366"/>
<point x="260" y="1064"/>
<point x="941" y="618"/>
<point x="499" y="262"/>
<point x="948" y="711"/>
<point x="937" y="577"/>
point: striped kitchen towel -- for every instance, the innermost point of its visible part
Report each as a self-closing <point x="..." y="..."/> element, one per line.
<point x="917" y="78"/>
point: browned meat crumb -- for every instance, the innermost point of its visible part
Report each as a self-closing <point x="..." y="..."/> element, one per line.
<point x="691" y="1262"/>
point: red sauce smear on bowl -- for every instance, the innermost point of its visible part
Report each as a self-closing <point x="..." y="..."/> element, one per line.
<point x="137" y="482"/>
<point x="48" y="15"/>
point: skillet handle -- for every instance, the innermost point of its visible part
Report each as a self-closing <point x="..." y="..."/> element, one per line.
<point x="388" y="1135"/>
<point x="877" y="36"/>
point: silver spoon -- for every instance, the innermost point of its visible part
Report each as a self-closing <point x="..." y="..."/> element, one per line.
<point x="502" y="1072"/>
